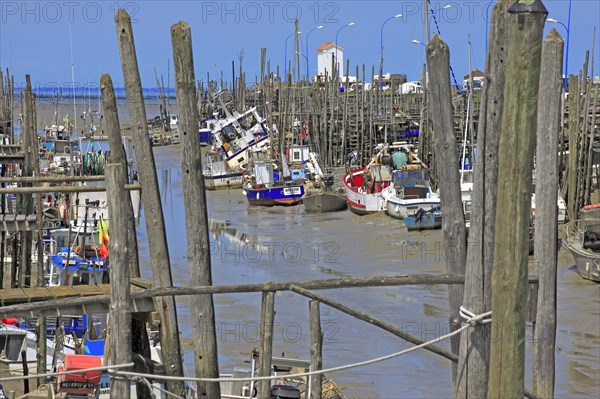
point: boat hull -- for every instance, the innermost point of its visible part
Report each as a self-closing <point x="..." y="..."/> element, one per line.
<point x="426" y="222"/>
<point x="587" y="262"/>
<point x="287" y="195"/>
<point x="226" y="181"/>
<point x="324" y="202"/>
<point x="359" y="202"/>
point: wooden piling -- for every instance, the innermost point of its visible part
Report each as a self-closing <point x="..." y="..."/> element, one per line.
<point x="120" y="317"/>
<point x="141" y="345"/>
<point x="474" y="353"/>
<point x="198" y="246"/>
<point x="267" y="318"/>
<point x="546" y="213"/>
<point x="159" y="252"/>
<point x="316" y="350"/>
<point x="453" y="222"/>
<point x="515" y="162"/>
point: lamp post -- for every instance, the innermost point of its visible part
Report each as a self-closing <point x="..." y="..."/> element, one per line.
<point x="555" y="21"/>
<point x="336" y="46"/>
<point x="285" y="55"/>
<point x="381" y="47"/>
<point x="306" y="55"/>
<point x="433" y="12"/>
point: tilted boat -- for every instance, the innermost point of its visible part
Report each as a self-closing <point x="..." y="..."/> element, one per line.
<point x="409" y="192"/>
<point x="583" y="241"/>
<point x="217" y="175"/>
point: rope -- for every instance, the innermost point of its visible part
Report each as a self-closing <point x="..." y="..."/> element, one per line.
<point x="470" y="318"/>
<point x="437" y="27"/>
<point x="81" y="371"/>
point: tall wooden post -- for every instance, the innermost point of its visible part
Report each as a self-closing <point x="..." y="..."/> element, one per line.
<point x="29" y="134"/>
<point x="316" y="349"/>
<point x="546" y="213"/>
<point x="453" y="222"/>
<point x="266" y="343"/>
<point x="198" y="246"/>
<point x="120" y="316"/>
<point x="155" y="224"/>
<point x="140" y="345"/>
<point x="474" y="354"/>
<point x="515" y="162"/>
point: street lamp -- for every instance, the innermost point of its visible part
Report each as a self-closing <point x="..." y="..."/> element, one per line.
<point x="415" y="41"/>
<point x="285" y="55"/>
<point x="555" y="21"/>
<point x="433" y="12"/>
<point x="336" y="46"/>
<point x="381" y="46"/>
<point x="306" y="56"/>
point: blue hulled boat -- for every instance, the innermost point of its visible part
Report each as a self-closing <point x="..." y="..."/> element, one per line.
<point x="424" y="220"/>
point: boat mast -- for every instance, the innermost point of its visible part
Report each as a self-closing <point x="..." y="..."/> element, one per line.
<point x="469" y="97"/>
<point x="73" y="79"/>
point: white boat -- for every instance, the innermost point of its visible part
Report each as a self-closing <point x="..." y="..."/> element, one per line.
<point x="218" y="175"/>
<point x="409" y="192"/>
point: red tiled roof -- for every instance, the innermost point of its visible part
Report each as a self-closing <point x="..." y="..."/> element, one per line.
<point x="328" y="45"/>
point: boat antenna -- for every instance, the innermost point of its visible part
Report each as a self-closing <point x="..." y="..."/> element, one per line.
<point x="73" y="78"/>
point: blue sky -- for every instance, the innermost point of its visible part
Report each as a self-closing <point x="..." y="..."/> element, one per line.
<point x="34" y="35"/>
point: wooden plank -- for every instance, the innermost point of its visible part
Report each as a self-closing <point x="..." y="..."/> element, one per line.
<point x="316" y="349"/>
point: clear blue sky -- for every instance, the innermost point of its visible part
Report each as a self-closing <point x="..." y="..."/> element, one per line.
<point x="34" y="35"/>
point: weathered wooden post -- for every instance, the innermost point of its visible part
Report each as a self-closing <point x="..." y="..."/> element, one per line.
<point x="515" y="163"/>
<point x="453" y="222"/>
<point x="316" y="349"/>
<point x="155" y="224"/>
<point x="546" y="213"/>
<point x="198" y="246"/>
<point x="141" y="344"/>
<point x="29" y="134"/>
<point x="474" y="354"/>
<point x="267" y="318"/>
<point x="120" y="316"/>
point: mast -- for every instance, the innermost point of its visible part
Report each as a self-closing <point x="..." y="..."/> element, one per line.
<point x="73" y="79"/>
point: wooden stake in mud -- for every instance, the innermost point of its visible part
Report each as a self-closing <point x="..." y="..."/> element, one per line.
<point x="267" y="318"/>
<point x="140" y="345"/>
<point x="515" y="163"/>
<point x="316" y="349"/>
<point x="474" y="354"/>
<point x="453" y="223"/>
<point x="155" y="224"/>
<point x="120" y="316"/>
<point x="198" y="247"/>
<point x="546" y="213"/>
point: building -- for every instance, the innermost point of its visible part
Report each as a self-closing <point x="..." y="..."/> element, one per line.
<point x="325" y="55"/>
<point x="478" y="77"/>
<point x="390" y="81"/>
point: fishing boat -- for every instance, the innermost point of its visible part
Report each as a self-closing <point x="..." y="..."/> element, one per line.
<point x="424" y="219"/>
<point x="409" y="192"/>
<point x="237" y="135"/>
<point x="583" y="241"/>
<point x="264" y="187"/>
<point x="217" y="174"/>
<point x="364" y="185"/>
<point x="325" y="197"/>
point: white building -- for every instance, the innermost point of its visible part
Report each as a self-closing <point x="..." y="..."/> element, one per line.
<point x="325" y="54"/>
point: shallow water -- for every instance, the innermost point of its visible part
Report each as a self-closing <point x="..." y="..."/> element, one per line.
<point x="294" y="245"/>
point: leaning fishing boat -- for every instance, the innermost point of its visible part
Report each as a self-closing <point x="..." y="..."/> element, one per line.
<point x="583" y="241"/>
<point x="325" y="197"/>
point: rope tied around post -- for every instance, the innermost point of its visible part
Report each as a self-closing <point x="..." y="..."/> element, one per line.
<point x="472" y="319"/>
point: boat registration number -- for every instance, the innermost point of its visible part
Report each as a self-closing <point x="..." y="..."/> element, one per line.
<point x="77" y="385"/>
<point x="292" y="191"/>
